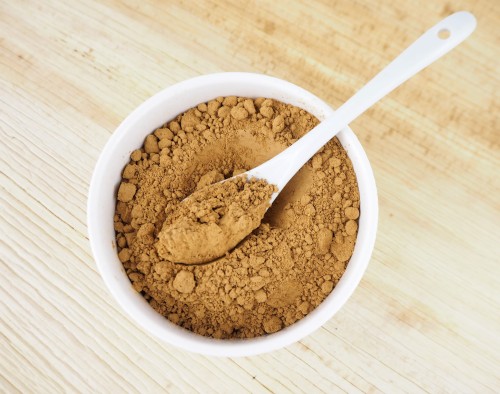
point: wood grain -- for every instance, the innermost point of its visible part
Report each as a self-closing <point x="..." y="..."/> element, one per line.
<point x="425" y="317"/>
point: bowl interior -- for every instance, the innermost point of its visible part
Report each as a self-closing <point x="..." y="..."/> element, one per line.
<point x="130" y="136"/>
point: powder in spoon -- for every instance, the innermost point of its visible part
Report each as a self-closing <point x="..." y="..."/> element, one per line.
<point x="285" y="267"/>
<point x="215" y="219"/>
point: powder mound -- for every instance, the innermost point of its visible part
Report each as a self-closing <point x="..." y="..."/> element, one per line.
<point x="284" y="268"/>
<point x="213" y="220"/>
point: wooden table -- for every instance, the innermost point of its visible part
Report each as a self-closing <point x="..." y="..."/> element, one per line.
<point x="426" y="314"/>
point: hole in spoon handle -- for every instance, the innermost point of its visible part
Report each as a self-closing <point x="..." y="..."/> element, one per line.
<point x="455" y="28"/>
<point x="444" y="34"/>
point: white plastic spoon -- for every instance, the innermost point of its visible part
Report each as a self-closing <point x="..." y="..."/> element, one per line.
<point x="433" y="44"/>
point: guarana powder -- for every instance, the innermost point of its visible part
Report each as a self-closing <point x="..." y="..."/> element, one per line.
<point x="285" y="267"/>
<point x="215" y="218"/>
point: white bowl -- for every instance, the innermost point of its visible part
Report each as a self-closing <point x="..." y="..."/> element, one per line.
<point x="130" y="135"/>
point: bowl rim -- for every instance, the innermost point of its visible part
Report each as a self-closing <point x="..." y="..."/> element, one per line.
<point x="135" y="305"/>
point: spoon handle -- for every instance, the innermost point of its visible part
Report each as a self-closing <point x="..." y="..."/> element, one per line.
<point x="429" y="47"/>
<point x="433" y="44"/>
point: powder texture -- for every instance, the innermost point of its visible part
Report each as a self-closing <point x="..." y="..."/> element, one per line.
<point x="285" y="267"/>
<point x="214" y="219"/>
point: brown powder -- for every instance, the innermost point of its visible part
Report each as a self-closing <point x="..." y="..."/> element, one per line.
<point x="285" y="267"/>
<point x="215" y="219"/>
